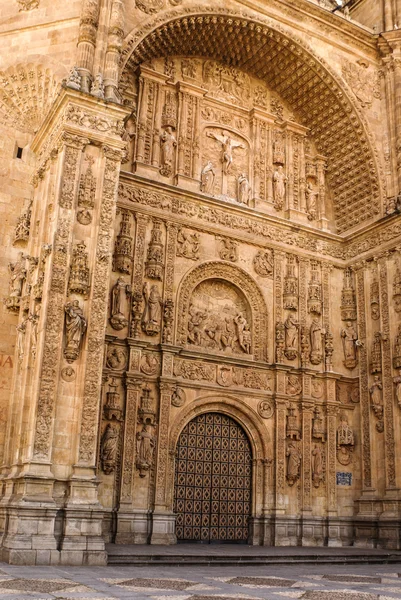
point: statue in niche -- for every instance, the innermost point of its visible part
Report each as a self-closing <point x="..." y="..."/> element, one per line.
<point x="316" y="342"/>
<point x="243" y="333"/>
<point x="145" y="447"/>
<point x="279" y="185"/>
<point x="129" y="136"/>
<point x="168" y="143"/>
<point x="244" y="189"/>
<point x="17" y="272"/>
<point x="397" y="382"/>
<point x="20" y="343"/>
<point x="195" y="326"/>
<point x="318" y="426"/>
<point x="317" y="465"/>
<point x="151" y="317"/>
<point x="294" y="458"/>
<point x="119" y="290"/>
<point x="75" y="327"/>
<point x="263" y="263"/>
<point x="376" y="396"/>
<point x="188" y="244"/>
<point x="109" y="448"/>
<point x="291" y="337"/>
<point x="350" y="343"/>
<point x="207" y="178"/>
<point x="376" y="364"/>
<point x="228" y="145"/>
<point x="311" y="200"/>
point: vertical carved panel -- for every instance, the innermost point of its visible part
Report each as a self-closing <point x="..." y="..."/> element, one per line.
<point x="281" y="412"/>
<point x="131" y="411"/>
<point x="364" y="382"/>
<point x="331" y="451"/>
<point x="98" y="308"/>
<point x="387" y="381"/>
<point x="137" y="280"/>
<point x="307" y="412"/>
<point x="166" y="391"/>
<point x="57" y="290"/>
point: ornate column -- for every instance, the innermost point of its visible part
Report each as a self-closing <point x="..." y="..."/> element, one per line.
<point x="114" y="44"/>
<point x="307" y="413"/>
<point x="137" y="277"/>
<point x="334" y="538"/>
<point x="87" y="42"/>
<point x="163" y="531"/>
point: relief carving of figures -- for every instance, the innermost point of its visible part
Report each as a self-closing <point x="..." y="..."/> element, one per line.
<point x="279" y="186"/>
<point x="23" y="226"/>
<point x="397" y="289"/>
<point x="34" y="319"/>
<point x="294" y="458"/>
<point x="129" y="137"/>
<point x="188" y="244"/>
<point x="150" y="364"/>
<point x="75" y="327"/>
<point x="263" y="263"/>
<point x="228" y="249"/>
<point x="243" y="333"/>
<point x="345" y="441"/>
<point x="86" y="193"/>
<point x="376" y="362"/>
<point x="376" y="397"/>
<point x="317" y="465"/>
<point x="207" y="178"/>
<point x="265" y="409"/>
<point x="168" y="143"/>
<point x="227" y="147"/>
<point x="20" y="342"/>
<point x="291" y="337"/>
<point x="109" y="449"/>
<point x="122" y="258"/>
<point x="120" y="291"/>
<point x="195" y="326"/>
<point x="328" y="350"/>
<point x="178" y="397"/>
<point x="290" y="294"/>
<point x="151" y="318"/>
<point x="244" y="189"/>
<point x="311" y="195"/>
<point x="116" y="358"/>
<point x="280" y="341"/>
<point x="154" y="262"/>
<point x="397" y="383"/>
<point x="315" y="290"/>
<point x="397" y="350"/>
<point x="168" y="317"/>
<point x="79" y="281"/>
<point x="17" y="273"/>
<point x="350" y="342"/>
<point x="293" y="385"/>
<point x="194" y="370"/>
<point x="146" y="443"/>
<point x="316" y="338"/>
<point x="226" y="83"/>
<point x="293" y="430"/>
<point x="375" y="298"/>
<point x="318" y="432"/>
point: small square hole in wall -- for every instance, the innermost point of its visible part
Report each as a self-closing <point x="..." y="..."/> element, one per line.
<point x="19" y="152"/>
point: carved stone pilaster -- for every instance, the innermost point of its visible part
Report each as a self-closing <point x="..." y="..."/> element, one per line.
<point x="281" y="413"/>
<point x="137" y="278"/>
<point x="307" y="414"/>
<point x="133" y="390"/>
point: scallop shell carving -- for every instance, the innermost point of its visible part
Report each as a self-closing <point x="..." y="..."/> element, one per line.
<point x="26" y="94"/>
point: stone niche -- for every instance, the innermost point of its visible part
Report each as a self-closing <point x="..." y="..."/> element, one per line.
<point x="219" y="319"/>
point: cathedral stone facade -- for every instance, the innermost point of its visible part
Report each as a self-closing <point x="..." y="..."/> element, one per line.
<point x="201" y="275"/>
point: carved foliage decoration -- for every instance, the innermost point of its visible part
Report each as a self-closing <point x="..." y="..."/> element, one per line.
<point x="240" y="280"/>
<point x="23" y="226"/>
<point x="86" y="193"/>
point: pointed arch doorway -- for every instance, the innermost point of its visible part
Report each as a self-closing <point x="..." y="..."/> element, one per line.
<point x="213" y="481"/>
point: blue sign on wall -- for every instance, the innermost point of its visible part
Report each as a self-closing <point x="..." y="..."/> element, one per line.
<point x="344" y="478"/>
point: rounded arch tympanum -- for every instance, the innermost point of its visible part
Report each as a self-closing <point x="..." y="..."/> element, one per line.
<point x="263" y="48"/>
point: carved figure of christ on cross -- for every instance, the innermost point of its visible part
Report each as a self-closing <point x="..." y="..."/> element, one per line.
<point x="227" y="147"/>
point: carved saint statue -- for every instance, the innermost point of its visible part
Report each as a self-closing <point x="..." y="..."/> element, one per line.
<point x="145" y="446"/>
<point x="279" y="184"/>
<point x="167" y="143"/>
<point x="119" y="290"/>
<point x="108" y="449"/>
<point x="195" y="326"/>
<point x="350" y="342"/>
<point x="311" y="201"/>
<point x="17" y="275"/>
<point x="207" y="178"/>
<point x="151" y="317"/>
<point x="375" y="391"/>
<point x="316" y="342"/>
<point x="397" y="382"/>
<point x="244" y="189"/>
<point x="188" y="244"/>
<point x="228" y="145"/>
<point x="293" y="463"/>
<point x="317" y="465"/>
<point x="75" y="327"/>
<point x="129" y="136"/>
<point x="291" y="337"/>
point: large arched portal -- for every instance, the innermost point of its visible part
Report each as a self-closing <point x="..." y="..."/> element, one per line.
<point x="213" y="481"/>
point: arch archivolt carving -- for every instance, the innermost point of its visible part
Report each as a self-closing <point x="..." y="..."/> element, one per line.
<point x="271" y="52"/>
<point x="238" y="410"/>
<point x="246" y="287"/>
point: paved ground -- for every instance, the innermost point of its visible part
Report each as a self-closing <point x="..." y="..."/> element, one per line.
<point x="324" y="582"/>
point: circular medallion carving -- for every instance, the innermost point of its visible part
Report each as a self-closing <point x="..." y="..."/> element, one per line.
<point x="265" y="409"/>
<point x="68" y="374"/>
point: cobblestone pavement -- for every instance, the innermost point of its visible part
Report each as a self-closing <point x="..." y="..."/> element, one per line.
<point x="309" y="582"/>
